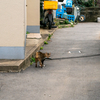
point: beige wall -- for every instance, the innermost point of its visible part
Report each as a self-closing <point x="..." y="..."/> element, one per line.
<point x="12" y="23"/>
<point x="33" y="12"/>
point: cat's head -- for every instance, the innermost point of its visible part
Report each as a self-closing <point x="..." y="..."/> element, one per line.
<point x="47" y="55"/>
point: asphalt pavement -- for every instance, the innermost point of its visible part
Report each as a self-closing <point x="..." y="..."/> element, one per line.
<point x="63" y="79"/>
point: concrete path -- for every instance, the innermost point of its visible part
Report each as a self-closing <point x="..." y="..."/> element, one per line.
<point x="66" y="79"/>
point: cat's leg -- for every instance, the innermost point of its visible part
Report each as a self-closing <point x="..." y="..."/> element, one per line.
<point x="40" y="63"/>
<point x="36" y="60"/>
<point x="43" y="62"/>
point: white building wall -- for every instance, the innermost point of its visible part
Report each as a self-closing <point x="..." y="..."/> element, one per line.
<point x="33" y="16"/>
<point x="12" y="29"/>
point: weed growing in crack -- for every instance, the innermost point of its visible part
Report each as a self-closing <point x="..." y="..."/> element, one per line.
<point x="41" y="48"/>
<point x="45" y="42"/>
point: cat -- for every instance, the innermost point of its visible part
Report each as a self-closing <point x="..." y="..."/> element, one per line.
<point x="41" y="57"/>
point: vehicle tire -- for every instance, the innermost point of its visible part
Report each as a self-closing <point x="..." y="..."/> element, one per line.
<point x="81" y="18"/>
<point x="50" y="25"/>
<point x="44" y="25"/>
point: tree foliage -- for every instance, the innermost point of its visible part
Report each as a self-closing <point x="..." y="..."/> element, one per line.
<point x="89" y="3"/>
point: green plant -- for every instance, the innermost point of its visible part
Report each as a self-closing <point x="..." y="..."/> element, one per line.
<point x="72" y="21"/>
<point x="41" y="48"/>
<point x="57" y="23"/>
<point x="72" y="25"/>
<point x="49" y="37"/>
<point x="45" y="42"/>
<point x="32" y="60"/>
<point x="59" y="27"/>
<point x="27" y="32"/>
<point x="67" y="26"/>
<point x="67" y="22"/>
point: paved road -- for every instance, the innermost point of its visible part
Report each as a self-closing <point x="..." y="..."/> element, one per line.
<point x="67" y="79"/>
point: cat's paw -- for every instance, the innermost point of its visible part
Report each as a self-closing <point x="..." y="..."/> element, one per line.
<point x="40" y="65"/>
<point x="43" y="65"/>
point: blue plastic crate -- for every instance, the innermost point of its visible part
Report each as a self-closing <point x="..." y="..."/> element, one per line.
<point x="65" y="15"/>
<point x="59" y="13"/>
<point x="71" y="17"/>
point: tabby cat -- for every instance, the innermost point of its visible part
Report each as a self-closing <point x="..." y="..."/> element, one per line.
<point x="41" y="57"/>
